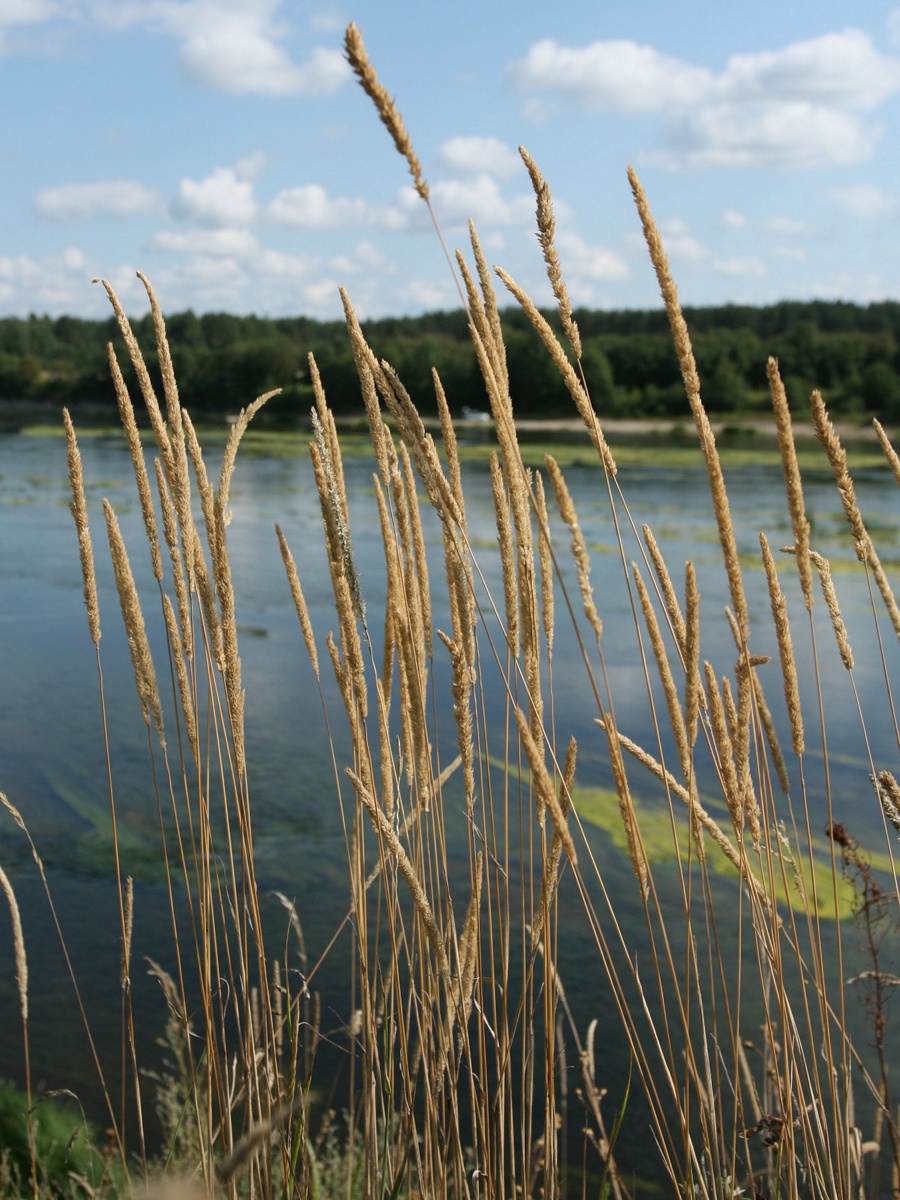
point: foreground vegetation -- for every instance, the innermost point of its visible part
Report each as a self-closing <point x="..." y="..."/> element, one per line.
<point x="467" y="1073"/>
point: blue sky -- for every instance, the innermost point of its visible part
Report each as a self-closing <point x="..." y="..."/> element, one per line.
<point x="222" y="147"/>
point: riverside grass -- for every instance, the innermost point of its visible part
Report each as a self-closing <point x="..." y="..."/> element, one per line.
<point x="462" y="1047"/>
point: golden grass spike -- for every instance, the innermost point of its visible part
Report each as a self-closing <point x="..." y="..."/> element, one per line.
<point x="771" y="733"/>
<point x="889" y="795"/>
<point x="138" y="645"/>
<point x="565" y="368"/>
<point x="546" y="223"/>
<point x="823" y="566"/>
<point x="126" y="412"/>
<point x="238" y="429"/>
<point x="691" y="379"/>
<point x="865" y="548"/>
<point x="129" y="926"/>
<point x="387" y="110"/>
<point x="385" y="830"/>
<point x="85" y="546"/>
<point x="676" y="714"/>
<point x="492" y="312"/>
<point x="792" y="481"/>
<point x="418" y="543"/>
<point x="785" y="647"/>
<point x="170" y="533"/>
<point x="461" y="688"/>
<point x="889" y="452"/>
<point x="18" y="944"/>
<point x="181" y="674"/>
<point x="507" y="556"/>
<point x="673" y="608"/>
<point x="546" y="560"/>
<point x="146" y="385"/>
<point x="544" y="791"/>
<point x="724" y="750"/>
<point x="451" y="449"/>
<point x="299" y="600"/>
<point x="578" y="544"/>
<point x="693" y="690"/>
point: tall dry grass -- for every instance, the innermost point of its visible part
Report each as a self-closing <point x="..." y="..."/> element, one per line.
<point x="468" y="1073"/>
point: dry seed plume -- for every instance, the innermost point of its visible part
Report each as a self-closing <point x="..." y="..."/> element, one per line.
<point x="18" y="943"/>
<point x="785" y="647"/>
<point x="546" y="223"/>
<point x="792" y="479"/>
<point x="85" y="546"/>
<point x="135" y="630"/>
<point x="355" y="51"/>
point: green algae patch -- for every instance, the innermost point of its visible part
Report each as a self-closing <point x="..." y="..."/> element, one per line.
<point x="795" y="881"/>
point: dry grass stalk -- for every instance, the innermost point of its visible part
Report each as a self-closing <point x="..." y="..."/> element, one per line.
<point x="544" y="791"/>
<point x="578" y="544"/>
<point x="237" y="431"/>
<point x="565" y="368"/>
<point x="792" y="480"/>
<point x="823" y="566"/>
<point x="888" y="790"/>
<point x="385" y="830"/>
<point x="18" y="944"/>
<point x="411" y="613"/>
<point x="546" y="223"/>
<point x="865" y="548"/>
<point x="135" y="630"/>
<point x="724" y="750"/>
<point x="691" y="379"/>
<point x="418" y="541"/>
<point x="451" y="449"/>
<point x="785" y="648"/>
<point x="462" y="714"/>
<point x="491" y="310"/>
<point x="333" y="499"/>
<point x="126" y="412"/>
<point x="479" y="323"/>
<point x="299" y="600"/>
<point x="889" y="452"/>
<point x="507" y="556"/>
<point x="546" y="560"/>
<point x="765" y="714"/>
<point x="636" y="851"/>
<point x="128" y="930"/>
<point x="673" y="608"/>
<point x="85" y="546"/>
<point x="550" y="874"/>
<point x="676" y="714"/>
<point x="693" y="687"/>
<point x="170" y="533"/>
<point x="384" y="103"/>
<point x="181" y="674"/>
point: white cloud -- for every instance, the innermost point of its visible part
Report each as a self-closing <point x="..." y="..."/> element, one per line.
<point x="619" y="76"/>
<point x="796" y="107"/>
<point x="582" y="260"/>
<point x="232" y="45"/>
<point x="731" y="219"/>
<point x="866" y="201"/>
<point x="751" y="266"/>
<point x="310" y="207"/>
<point x="105" y="198"/>
<point x="764" y="134"/>
<point x="456" y="201"/>
<point x="222" y="199"/>
<point x="783" y="226"/>
<point x="215" y="243"/>
<point x="482" y="155"/>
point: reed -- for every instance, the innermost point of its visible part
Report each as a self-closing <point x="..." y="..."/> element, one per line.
<point x="467" y="1074"/>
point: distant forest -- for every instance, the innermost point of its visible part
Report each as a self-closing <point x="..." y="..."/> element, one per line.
<point x="222" y="362"/>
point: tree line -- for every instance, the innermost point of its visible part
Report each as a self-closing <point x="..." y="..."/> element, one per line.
<point x="223" y="361"/>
